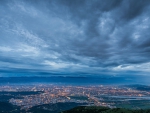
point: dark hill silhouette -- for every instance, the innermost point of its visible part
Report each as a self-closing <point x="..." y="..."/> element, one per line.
<point x="94" y="109"/>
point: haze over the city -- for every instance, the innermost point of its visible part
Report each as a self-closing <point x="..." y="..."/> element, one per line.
<point x="75" y="37"/>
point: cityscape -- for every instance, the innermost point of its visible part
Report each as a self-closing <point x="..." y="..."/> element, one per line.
<point x="28" y="96"/>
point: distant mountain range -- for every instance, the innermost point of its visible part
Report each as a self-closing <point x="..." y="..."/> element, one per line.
<point x="139" y="87"/>
<point x="73" y="80"/>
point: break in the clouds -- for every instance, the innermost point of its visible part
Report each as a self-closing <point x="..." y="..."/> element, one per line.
<point x="88" y="36"/>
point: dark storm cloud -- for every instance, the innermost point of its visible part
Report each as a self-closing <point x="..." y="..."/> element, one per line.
<point x="75" y="36"/>
<point x="135" y="8"/>
<point x="90" y="12"/>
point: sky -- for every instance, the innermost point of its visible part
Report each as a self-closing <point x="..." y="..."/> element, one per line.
<point x="92" y="37"/>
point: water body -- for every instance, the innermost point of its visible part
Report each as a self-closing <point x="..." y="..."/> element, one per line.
<point x="132" y="97"/>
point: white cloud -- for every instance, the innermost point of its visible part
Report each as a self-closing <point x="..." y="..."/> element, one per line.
<point x="133" y="67"/>
<point x="5" y="49"/>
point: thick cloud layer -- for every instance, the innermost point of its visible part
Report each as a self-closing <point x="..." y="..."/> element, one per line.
<point x="98" y="36"/>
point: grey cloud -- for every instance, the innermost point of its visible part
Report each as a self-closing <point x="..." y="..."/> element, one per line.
<point x="135" y="8"/>
<point x="80" y="35"/>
